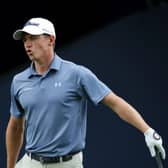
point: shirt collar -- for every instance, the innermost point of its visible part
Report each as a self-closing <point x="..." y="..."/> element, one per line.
<point x="55" y="65"/>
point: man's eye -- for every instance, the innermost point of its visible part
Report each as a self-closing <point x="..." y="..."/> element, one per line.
<point x="30" y="38"/>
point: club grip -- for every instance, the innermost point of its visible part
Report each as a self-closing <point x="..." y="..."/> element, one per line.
<point x="158" y="158"/>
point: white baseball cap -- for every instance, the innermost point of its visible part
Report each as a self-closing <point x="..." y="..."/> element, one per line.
<point x="35" y="26"/>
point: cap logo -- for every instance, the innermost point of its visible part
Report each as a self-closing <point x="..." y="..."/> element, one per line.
<point x="31" y="23"/>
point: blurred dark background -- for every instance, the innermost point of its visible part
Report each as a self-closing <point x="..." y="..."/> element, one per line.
<point x="72" y="19"/>
<point x="125" y="43"/>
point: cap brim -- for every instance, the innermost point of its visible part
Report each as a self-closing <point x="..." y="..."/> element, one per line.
<point x="33" y="30"/>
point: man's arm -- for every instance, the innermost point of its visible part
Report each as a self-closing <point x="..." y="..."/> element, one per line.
<point x="14" y="140"/>
<point x="129" y="114"/>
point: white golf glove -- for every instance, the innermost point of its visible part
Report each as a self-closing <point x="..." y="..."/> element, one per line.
<point x="154" y="140"/>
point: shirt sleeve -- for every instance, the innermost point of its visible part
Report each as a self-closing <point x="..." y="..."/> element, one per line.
<point x="95" y="89"/>
<point x="15" y="108"/>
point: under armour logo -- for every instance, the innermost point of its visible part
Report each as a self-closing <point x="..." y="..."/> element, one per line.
<point x="58" y="84"/>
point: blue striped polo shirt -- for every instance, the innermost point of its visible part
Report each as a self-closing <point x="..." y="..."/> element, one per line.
<point x="55" y="105"/>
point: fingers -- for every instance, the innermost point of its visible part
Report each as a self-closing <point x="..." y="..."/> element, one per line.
<point x="152" y="151"/>
<point x="162" y="152"/>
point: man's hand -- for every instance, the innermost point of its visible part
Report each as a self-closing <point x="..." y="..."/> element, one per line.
<point x="154" y="140"/>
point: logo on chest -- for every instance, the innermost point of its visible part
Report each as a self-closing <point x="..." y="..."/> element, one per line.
<point x="57" y="84"/>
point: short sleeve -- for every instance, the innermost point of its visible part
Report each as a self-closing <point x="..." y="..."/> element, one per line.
<point x="95" y="89"/>
<point x="15" y="108"/>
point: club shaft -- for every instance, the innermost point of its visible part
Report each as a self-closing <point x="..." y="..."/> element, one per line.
<point x="158" y="159"/>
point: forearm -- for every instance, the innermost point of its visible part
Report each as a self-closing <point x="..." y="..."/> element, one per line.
<point x="125" y="111"/>
<point x="129" y="114"/>
<point x="14" y="141"/>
